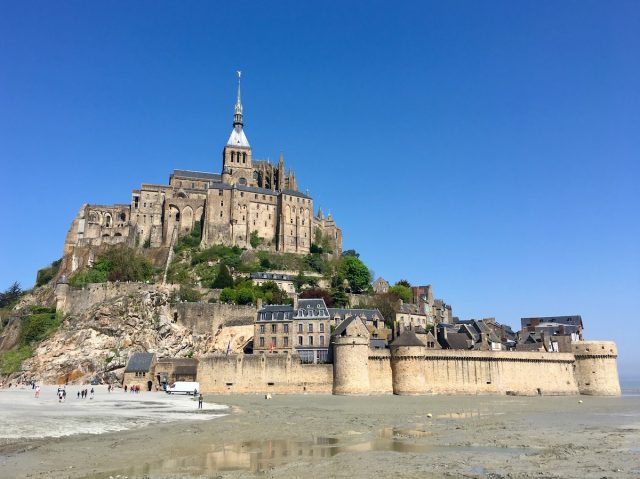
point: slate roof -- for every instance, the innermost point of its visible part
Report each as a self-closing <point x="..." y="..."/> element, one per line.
<point x="457" y="341"/>
<point x="275" y="312"/>
<point x="198" y="175"/>
<point x="139" y="362"/>
<point x="312" y="308"/>
<point x="272" y="276"/>
<point x="369" y="314"/>
<point x="408" y="338"/>
<point x="342" y="327"/>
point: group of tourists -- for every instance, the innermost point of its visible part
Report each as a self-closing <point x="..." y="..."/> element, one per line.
<point x="135" y="389"/>
<point x="82" y="394"/>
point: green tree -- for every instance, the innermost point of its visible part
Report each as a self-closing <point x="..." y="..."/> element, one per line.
<point x="228" y="295"/>
<point x="351" y="252"/>
<point x="10" y="295"/>
<point x="246" y="295"/>
<point x="404" y="282"/>
<point x="224" y="278"/>
<point x="356" y="273"/>
<point x="403" y="292"/>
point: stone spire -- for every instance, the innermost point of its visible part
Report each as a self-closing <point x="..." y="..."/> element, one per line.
<point x="237" y="137"/>
<point x="237" y="114"/>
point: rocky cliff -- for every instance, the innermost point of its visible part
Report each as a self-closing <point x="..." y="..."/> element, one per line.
<point x="96" y="341"/>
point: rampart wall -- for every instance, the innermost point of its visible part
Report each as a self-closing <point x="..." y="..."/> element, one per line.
<point x="435" y="372"/>
<point x="380" y="371"/>
<point x="263" y="373"/>
<point x="208" y="317"/>
<point x="489" y="372"/>
<point x="74" y="301"/>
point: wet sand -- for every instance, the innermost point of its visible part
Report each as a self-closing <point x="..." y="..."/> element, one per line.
<point x="349" y="437"/>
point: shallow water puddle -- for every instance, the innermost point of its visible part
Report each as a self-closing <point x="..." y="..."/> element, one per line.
<point x="260" y="456"/>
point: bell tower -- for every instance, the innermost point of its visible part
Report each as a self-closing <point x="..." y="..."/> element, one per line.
<point x="236" y="156"/>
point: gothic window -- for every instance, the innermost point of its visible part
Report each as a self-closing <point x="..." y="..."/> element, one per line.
<point x="233" y="155"/>
<point x="178" y="216"/>
<point x="244" y="157"/>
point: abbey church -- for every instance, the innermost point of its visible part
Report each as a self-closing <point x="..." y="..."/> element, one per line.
<point x="249" y="197"/>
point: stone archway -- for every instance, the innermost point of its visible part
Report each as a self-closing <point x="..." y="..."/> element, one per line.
<point x="186" y="219"/>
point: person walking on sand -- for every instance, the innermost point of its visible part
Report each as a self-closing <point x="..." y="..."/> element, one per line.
<point x="37" y="392"/>
<point x="125" y="388"/>
<point x="200" y="398"/>
<point x="92" y="393"/>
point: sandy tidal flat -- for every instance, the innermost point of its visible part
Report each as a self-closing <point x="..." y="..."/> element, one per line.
<point x="334" y="436"/>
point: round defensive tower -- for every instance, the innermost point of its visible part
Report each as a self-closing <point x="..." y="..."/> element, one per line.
<point x="596" y="368"/>
<point x="407" y="365"/>
<point x="351" y="365"/>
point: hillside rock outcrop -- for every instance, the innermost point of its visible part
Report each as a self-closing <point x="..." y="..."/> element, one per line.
<point x="96" y="342"/>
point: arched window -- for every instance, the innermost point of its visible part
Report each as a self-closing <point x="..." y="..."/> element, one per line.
<point x="233" y="155"/>
<point x="107" y="221"/>
<point x="244" y="157"/>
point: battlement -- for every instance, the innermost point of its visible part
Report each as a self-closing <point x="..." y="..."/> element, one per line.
<point x="584" y="349"/>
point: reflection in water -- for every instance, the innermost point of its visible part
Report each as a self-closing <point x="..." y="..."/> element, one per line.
<point x="260" y="456"/>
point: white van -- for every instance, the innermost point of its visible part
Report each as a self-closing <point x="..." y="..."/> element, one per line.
<point x="184" y="387"/>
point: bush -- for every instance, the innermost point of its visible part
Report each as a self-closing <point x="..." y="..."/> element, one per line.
<point x="118" y="263"/>
<point x="46" y="274"/>
<point x="255" y="240"/>
<point x="188" y="294"/>
<point x="11" y="361"/>
<point x="39" y="325"/>
<point x="230" y="255"/>
<point x="228" y="295"/>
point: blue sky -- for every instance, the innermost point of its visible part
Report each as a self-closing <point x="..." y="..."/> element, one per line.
<point x="491" y="149"/>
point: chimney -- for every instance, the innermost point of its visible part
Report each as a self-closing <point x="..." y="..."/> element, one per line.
<point x="259" y="303"/>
